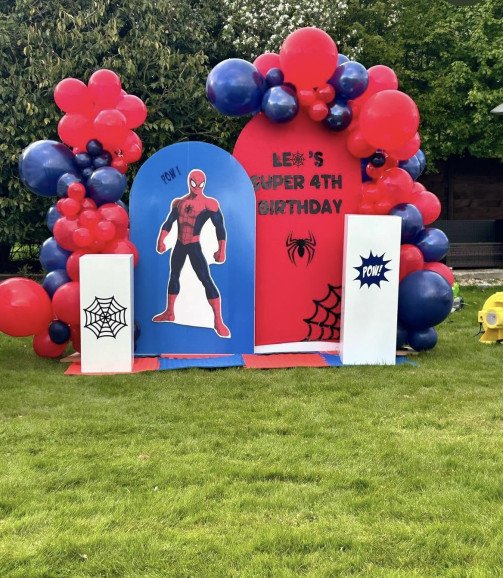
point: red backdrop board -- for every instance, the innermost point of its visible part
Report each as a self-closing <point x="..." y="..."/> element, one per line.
<point x="305" y="181"/>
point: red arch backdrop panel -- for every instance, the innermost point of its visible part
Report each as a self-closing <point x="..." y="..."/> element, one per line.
<point x="305" y="181"/>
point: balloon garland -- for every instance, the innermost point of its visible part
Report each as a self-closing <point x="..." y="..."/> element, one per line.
<point x="380" y="124"/>
<point x="87" y="175"/>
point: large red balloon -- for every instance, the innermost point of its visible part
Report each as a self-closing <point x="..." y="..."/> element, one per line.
<point x="396" y="185"/>
<point x="75" y="129"/>
<point x="411" y="259"/>
<point x="63" y="233"/>
<point x="72" y="265"/>
<point x="134" y="110"/>
<point x="25" y="307"/>
<point x="429" y="206"/>
<point x="116" y="215"/>
<point x="381" y="78"/>
<point x="132" y="147"/>
<point x="308" y="57"/>
<point x="105" y="88"/>
<point x="45" y="347"/>
<point x="265" y="62"/>
<point x="110" y="128"/>
<point x="389" y="119"/>
<point x="441" y="269"/>
<point x="72" y="95"/>
<point x="66" y="303"/>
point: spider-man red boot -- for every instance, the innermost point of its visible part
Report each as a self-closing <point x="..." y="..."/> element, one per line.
<point x="169" y="313"/>
<point x="221" y="329"/>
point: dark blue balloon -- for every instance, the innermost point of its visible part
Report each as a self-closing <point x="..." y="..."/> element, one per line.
<point x="59" y="332"/>
<point x="341" y="59"/>
<point x="52" y="216"/>
<point x="42" y="163"/>
<point x="106" y="185"/>
<point x="274" y="77"/>
<point x="87" y="172"/>
<point x="83" y="160"/>
<point x="412" y="220"/>
<point x="412" y="166"/>
<point x="235" y="87"/>
<point x="52" y="256"/>
<point x="280" y="104"/>
<point x="94" y="148"/>
<point x="350" y="80"/>
<point x="378" y="160"/>
<point x="53" y="281"/>
<point x="401" y="336"/>
<point x="64" y="181"/>
<point x="422" y="339"/>
<point x="339" y="116"/>
<point x="102" y="160"/>
<point x="424" y="300"/>
<point x="433" y="243"/>
<point x="421" y="157"/>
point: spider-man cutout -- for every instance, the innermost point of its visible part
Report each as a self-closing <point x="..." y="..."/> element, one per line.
<point x="300" y="247"/>
<point x="190" y="213"/>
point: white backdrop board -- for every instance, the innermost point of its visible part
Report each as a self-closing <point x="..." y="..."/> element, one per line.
<point x="370" y="289"/>
<point x="106" y="313"/>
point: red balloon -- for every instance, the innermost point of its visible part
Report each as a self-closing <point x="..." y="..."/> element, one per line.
<point x="105" y="88"/>
<point x="383" y="206"/>
<point x="132" y="147"/>
<point x="72" y="265"/>
<point x="89" y="218"/>
<point x="88" y="203"/>
<point x="265" y="62"/>
<point x="134" y="110"/>
<point x="358" y="146"/>
<point x="72" y="95"/>
<point x="373" y="172"/>
<point x="326" y="93"/>
<point x="308" y="57"/>
<point x="381" y="78"/>
<point x="429" y="206"/>
<point x="76" y="191"/>
<point x="68" y="207"/>
<point x="441" y="269"/>
<point x="63" y="233"/>
<point x="396" y="185"/>
<point x="75" y="129"/>
<point x="120" y="164"/>
<point x="306" y="96"/>
<point x="122" y="247"/>
<point x="66" y="303"/>
<point x="366" y="208"/>
<point x="25" y="307"/>
<point x="318" y="111"/>
<point x="105" y="231"/>
<point x="411" y="259"/>
<point x="45" y="347"/>
<point x="408" y="150"/>
<point x="370" y="193"/>
<point x="389" y="119"/>
<point x="83" y="237"/>
<point x="116" y="215"/>
<point x="75" y="337"/>
<point x="110" y="128"/>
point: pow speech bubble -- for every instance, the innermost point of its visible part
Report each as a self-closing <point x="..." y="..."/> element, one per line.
<point x="372" y="270"/>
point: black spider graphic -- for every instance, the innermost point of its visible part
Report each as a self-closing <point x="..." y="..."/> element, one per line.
<point x="188" y="209"/>
<point x="299" y="247"/>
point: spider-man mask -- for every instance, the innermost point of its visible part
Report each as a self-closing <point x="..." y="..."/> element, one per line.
<point x="196" y="181"/>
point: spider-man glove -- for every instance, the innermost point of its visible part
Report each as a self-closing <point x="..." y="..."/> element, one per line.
<point x="161" y="247"/>
<point x="219" y="256"/>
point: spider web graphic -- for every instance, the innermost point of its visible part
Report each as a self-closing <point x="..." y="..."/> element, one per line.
<point x="325" y="323"/>
<point x="105" y="317"/>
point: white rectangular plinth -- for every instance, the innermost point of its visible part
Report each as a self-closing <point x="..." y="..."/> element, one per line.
<point x="106" y="313"/>
<point x="370" y="289"/>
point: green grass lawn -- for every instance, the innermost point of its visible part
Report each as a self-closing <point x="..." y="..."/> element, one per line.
<point x="376" y="471"/>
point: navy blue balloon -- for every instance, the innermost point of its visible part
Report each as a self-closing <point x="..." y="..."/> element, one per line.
<point x="106" y="185"/>
<point x="412" y="220"/>
<point x="401" y="336"/>
<point x="52" y="216"/>
<point x="341" y="59"/>
<point x="87" y="172"/>
<point x="59" y="332"/>
<point x="424" y="300"/>
<point x="280" y="104"/>
<point x="94" y="148"/>
<point x="54" y="279"/>
<point x="433" y="243"/>
<point x="421" y="157"/>
<point x="42" y="163"/>
<point x="363" y="165"/>
<point x="83" y="160"/>
<point x="102" y="160"/>
<point x="64" y="181"/>
<point x="350" y="80"/>
<point x="339" y="116"/>
<point x="274" y="77"/>
<point x="412" y="166"/>
<point x="52" y="256"/>
<point x="378" y="160"/>
<point x="423" y="339"/>
<point x="235" y="87"/>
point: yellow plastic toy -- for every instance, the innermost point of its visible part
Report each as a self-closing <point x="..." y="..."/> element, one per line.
<point x="491" y="318"/>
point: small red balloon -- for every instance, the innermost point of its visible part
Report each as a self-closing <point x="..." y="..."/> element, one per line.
<point x="122" y="247"/>
<point x="396" y="185"/>
<point x="45" y="347"/>
<point x="75" y="129"/>
<point x="429" y="206"/>
<point x="66" y="303"/>
<point x="89" y="218"/>
<point x="411" y="259"/>
<point x="133" y="109"/>
<point x="72" y="265"/>
<point x="358" y="146"/>
<point x="105" y="88"/>
<point x="82" y="237"/>
<point x="110" y="128"/>
<point x="441" y="269"/>
<point x="120" y="164"/>
<point x="326" y="93"/>
<point x="68" y="207"/>
<point x="318" y="111"/>
<point x="63" y="233"/>
<point x="132" y="147"/>
<point x="105" y="231"/>
<point x="116" y="215"/>
<point x="265" y="62"/>
<point x="306" y="96"/>
<point x="76" y="191"/>
<point x="88" y="203"/>
<point x="72" y="95"/>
